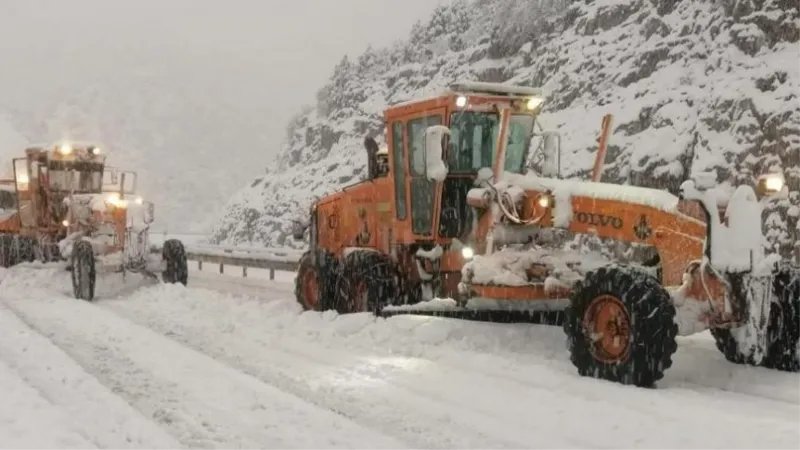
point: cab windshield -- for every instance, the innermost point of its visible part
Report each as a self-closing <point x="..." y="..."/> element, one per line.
<point x="85" y="178"/>
<point x="474" y="141"/>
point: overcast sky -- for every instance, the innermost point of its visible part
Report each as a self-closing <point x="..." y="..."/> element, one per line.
<point x="262" y="36"/>
<point x="195" y="95"/>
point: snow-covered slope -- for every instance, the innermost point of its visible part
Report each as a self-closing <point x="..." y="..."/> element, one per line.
<point x="694" y="86"/>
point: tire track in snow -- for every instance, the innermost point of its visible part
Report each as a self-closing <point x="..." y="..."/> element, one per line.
<point x="698" y="365"/>
<point x="413" y="415"/>
<point x="96" y="413"/>
<point x="546" y="401"/>
<point x="204" y="403"/>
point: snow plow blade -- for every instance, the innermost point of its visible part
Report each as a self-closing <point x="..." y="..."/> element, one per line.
<point x="554" y="318"/>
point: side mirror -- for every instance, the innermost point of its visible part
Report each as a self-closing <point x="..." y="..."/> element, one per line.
<point x="770" y="184"/>
<point x="298" y="230"/>
<point x="371" y="146"/>
<point x="435" y="168"/>
<point x="551" y="151"/>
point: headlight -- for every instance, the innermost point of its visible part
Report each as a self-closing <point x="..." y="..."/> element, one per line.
<point x="773" y="183"/>
<point x="770" y="183"/>
<point x="139" y="200"/>
<point x="114" y="199"/>
<point x="544" y="201"/>
<point x="65" y="222"/>
<point x="461" y="101"/>
<point x="95" y="150"/>
<point x="65" y="149"/>
<point x="467" y="253"/>
<point x="533" y="103"/>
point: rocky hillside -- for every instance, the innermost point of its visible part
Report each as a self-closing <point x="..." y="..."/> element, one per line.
<point x="694" y="86"/>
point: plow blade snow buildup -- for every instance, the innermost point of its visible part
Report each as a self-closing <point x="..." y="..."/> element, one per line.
<point x="452" y="221"/>
<point x="65" y="205"/>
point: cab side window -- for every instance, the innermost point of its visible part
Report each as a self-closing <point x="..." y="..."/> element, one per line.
<point x="399" y="169"/>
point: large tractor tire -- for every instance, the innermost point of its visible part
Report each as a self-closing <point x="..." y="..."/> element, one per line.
<point x="7" y="253"/>
<point x="316" y="280"/>
<point x="367" y="282"/>
<point x="308" y="284"/>
<point x="16" y="249"/>
<point x="83" y="270"/>
<point x="620" y="326"/>
<point x="25" y="248"/>
<point x="46" y="250"/>
<point x="177" y="268"/>
<point x="783" y="329"/>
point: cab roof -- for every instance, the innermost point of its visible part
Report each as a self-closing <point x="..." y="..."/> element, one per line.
<point x="478" y="88"/>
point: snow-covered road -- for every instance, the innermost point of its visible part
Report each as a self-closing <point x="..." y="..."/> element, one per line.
<point x="234" y="363"/>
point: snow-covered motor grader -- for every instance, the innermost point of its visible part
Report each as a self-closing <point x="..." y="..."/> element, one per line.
<point x="622" y="319"/>
<point x="65" y="204"/>
<point x="459" y="221"/>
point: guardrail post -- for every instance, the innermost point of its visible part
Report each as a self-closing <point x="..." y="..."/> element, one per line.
<point x="244" y="271"/>
<point x="221" y="268"/>
<point x="271" y="273"/>
<point x="199" y="265"/>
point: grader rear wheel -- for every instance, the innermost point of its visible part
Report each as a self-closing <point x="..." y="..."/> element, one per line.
<point x="620" y="326"/>
<point x="367" y="281"/>
<point x="7" y="253"/>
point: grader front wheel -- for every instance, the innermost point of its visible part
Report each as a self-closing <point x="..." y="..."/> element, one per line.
<point x="620" y="326"/>
<point x="783" y="327"/>
<point x="174" y="255"/>
<point x="83" y="271"/>
<point x="366" y="283"/>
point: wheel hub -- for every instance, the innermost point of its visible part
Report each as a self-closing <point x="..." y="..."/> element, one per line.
<point x="607" y="327"/>
<point x="311" y="289"/>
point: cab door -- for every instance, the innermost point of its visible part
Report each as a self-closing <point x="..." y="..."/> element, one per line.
<point x="422" y="191"/>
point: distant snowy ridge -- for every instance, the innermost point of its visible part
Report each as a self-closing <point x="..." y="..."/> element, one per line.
<point x="694" y="86"/>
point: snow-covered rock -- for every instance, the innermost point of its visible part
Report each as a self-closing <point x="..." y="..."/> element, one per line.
<point x="694" y="86"/>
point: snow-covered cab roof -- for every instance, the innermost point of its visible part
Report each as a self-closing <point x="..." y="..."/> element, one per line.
<point x="383" y="151"/>
<point x="478" y="87"/>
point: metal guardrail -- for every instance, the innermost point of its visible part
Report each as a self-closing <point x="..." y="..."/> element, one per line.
<point x="244" y="257"/>
<point x="239" y="256"/>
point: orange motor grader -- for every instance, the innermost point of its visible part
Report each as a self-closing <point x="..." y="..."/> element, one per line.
<point x="65" y="204"/>
<point x="451" y="211"/>
<point x="406" y="232"/>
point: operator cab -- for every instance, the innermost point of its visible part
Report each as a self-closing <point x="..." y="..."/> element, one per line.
<point x="77" y="169"/>
<point x="49" y="173"/>
<point x="491" y="126"/>
<point x="63" y="168"/>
